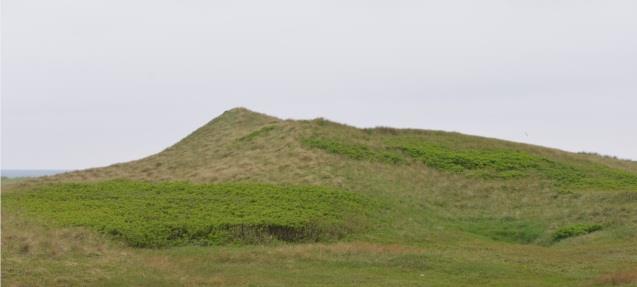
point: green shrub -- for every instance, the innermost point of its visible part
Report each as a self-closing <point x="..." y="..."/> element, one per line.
<point x="575" y="230"/>
<point x="355" y="151"/>
<point x="500" y="163"/>
<point x="508" y="163"/>
<point x="168" y="214"/>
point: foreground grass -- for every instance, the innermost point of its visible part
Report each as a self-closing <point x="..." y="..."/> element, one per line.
<point x="36" y="255"/>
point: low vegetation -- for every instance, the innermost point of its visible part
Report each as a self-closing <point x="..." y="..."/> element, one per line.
<point x="575" y="230"/>
<point x="168" y="214"/>
<point x="355" y="151"/>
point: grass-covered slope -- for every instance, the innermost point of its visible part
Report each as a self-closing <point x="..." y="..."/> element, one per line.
<point x="496" y="161"/>
<point x="244" y="145"/>
<point x="394" y="207"/>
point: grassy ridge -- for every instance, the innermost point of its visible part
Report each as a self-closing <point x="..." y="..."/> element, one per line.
<point x="168" y="214"/>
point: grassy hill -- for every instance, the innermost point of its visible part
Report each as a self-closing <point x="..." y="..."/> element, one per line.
<point x="252" y="200"/>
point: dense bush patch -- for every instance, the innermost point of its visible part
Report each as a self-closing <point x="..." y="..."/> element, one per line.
<point x="167" y="214"/>
<point x="498" y="163"/>
<point x="575" y="230"/>
<point x="508" y="163"/>
<point x="355" y="151"/>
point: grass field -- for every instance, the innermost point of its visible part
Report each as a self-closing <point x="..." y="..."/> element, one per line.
<point x="384" y="207"/>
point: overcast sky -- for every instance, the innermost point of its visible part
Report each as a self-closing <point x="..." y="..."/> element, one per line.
<point x="89" y="83"/>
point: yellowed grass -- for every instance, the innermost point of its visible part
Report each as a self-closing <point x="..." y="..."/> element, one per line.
<point x="28" y="248"/>
<point x="619" y="278"/>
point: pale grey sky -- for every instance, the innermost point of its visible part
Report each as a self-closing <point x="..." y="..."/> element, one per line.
<point x="89" y="83"/>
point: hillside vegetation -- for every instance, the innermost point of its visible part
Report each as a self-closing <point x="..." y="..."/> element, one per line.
<point x="252" y="200"/>
<point x="168" y="214"/>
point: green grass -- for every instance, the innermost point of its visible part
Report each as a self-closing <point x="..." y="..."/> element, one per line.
<point x="169" y="214"/>
<point x="505" y="229"/>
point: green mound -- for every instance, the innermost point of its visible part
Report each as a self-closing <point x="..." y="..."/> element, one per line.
<point x="169" y="214"/>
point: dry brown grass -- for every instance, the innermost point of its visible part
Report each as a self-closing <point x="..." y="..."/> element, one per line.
<point x="24" y="237"/>
<point x="625" y="277"/>
<point x="80" y="256"/>
<point x="318" y="250"/>
<point x="185" y="267"/>
<point x="216" y="153"/>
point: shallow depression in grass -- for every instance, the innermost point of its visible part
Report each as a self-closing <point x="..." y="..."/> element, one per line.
<point x="505" y="229"/>
<point x="168" y="214"/>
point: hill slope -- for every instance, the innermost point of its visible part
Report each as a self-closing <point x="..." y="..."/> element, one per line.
<point x="241" y="144"/>
<point x="485" y="186"/>
<point x="449" y="209"/>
